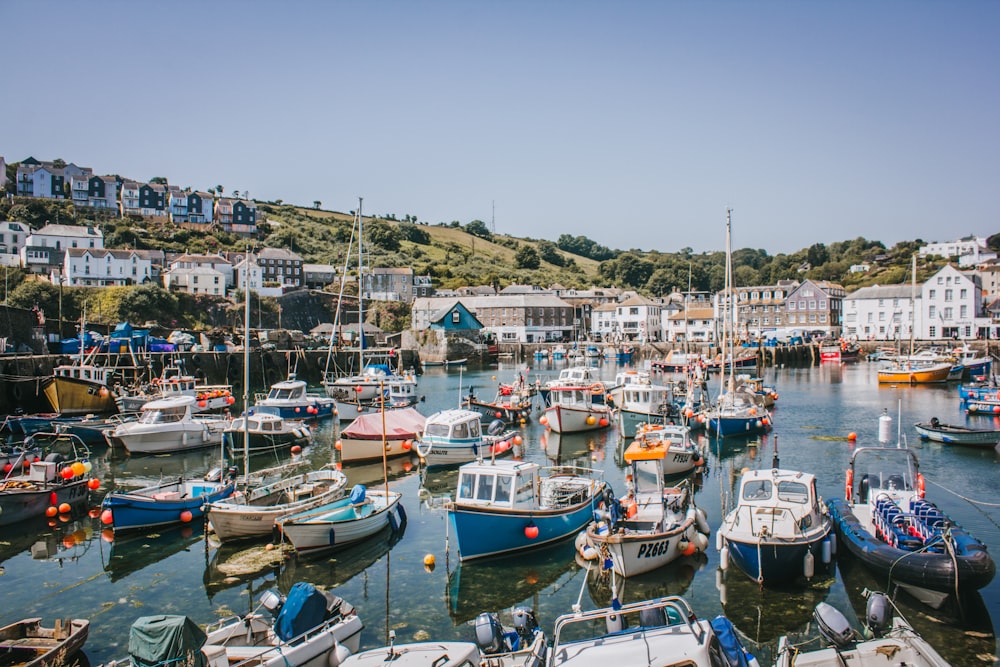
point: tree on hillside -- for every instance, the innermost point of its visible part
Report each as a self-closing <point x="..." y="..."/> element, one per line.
<point x="817" y="254"/>
<point x="628" y="270"/>
<point x="526" y="257"/>
<point x="412" y="233"/>
<point x="219" y="189"/>
<point x="383" y="235"/>
<point x="39" y="293"/>
<point x="581" y="245"/>
<point x="316" y="204"/>
<point x="160" y="180"/>
<point x="548" y="251"/>
<point x="478" y="228"/>
<point x="993" y="242"/>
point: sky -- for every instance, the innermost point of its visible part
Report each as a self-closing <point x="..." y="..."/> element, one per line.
<point x="636" y="124"/>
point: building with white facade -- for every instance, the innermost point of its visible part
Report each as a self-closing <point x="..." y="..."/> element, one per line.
<point x="693" y="324"/>
<point x="881" y="312"/>
<point x="970" y="250"/>
<point x="217" y="263"/>
<point x="43" y="249"/>
<point x="603" y="321"/>
<point x="103" y="267"/>
<point x="638" y="319"/>
<point x="13" y="236"/>
<point x="512" y="318"/>
<point x="950" y="303"/>
<point x="196" y="280"/>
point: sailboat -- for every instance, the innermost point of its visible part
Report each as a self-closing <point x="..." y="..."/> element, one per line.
<point x="911" y="369"/>
<point x="376" y="368"/>
<point x="734" y="413"/>
<point x="251" y="513"/>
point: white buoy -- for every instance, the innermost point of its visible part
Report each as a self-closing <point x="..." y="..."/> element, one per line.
<point x="724" y="557"/>
<point x="719" y="542"/>
<point x="702" y="520"/>
<point x="885" y="428"/>
<point x="615" y="623"/>
<point x="701" y="541"/>
<point x="720" y="584"/>
<point x="826" y="555"/>
<point x="833" y="542"/>
<point x="809" y="565"/>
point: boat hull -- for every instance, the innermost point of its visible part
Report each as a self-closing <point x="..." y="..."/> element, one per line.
<point x="74" y="396"/>
<point x="155" y="439"/>
<point x="19" y="504"/>
<point x="776" y="561"/>
<point x="926" y="570"/>
<point x="634" y="553"/>
<point x="958" y="435"/>
<point x="730" y="426"/>
<point x="28" y="644"/>
<point x="569" y="419"/>
<point x="342" y="524"/>
<point x="163" y="504"/>
<point x="929" y="375"/>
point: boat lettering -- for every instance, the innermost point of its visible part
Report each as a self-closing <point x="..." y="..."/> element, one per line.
<point x="654" y="550"/>
<point x="681" y="458"/>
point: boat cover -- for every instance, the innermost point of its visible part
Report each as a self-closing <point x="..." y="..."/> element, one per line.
<point x="730" y="642"/>
<point x="399" y="423"/>
<point x="304" y="609"/>
<point x="155" y="640"/>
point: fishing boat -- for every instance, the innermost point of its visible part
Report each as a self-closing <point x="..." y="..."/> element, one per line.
<point x="678" y="362"/>
<point x="522" y="645"/>
<point x="343" y="522"/>
<point x="762" y="395"/>
<point x="572" y="409"/>
<point x="914" y="372"/>
<point x="168" y="425"/>
<point x="260" y="433"/>
<point x="290" y="399"/>
<point x="975" y="406"/>
<point x="660" y="631"/>
<point x="504" y="506"/>
<point x="671" y="444"/>
<point x="645" y="404"/>
<point x="57" y="484"/>
<point x="173" y="381"/>
<point x="652" y="526"/>
<point x="887" y="523"/>
<point x="512" y="404"/>
<point x="253" y="513"/>
<point x="887" y="638"/>
<point x="310" y="628"/>
<point x="27" y="643"/>
<point x="452" y="437"/>
<point x="624" y="379"/>
<point x="977" y="366"/>
<point x="951" y="434"/>
<point x="778" y="529"/>
<point x="575" y="376"/>
<point x="380" y="434"/>
<point x="169" y="502"/>
<point x="396" y="392"/>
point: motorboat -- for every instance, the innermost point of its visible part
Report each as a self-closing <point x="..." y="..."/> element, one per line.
<point x="953" y="434"/>
<point x="169" y="502"/>
<point x="264" y="433"/>
<point x="452" y="437"/>
<point x="375" y="435"/>
<point x="778" y="530"/>
<point x="290" y="399"/>
<point x="168" y="425"/>
<point x="573" y="411"/>
<point x="640" y="404"/>
<point x="56" y="484"/>
<point x="671" y="444"/>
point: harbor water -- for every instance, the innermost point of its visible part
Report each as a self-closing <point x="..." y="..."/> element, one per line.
<point x="75" y="568"/>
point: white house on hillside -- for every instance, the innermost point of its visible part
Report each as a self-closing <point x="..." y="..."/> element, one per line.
<point x="693" y="324"/>
<point x="13" y="236"/>
<point x="881" y="312"/>
<point x="102" y="267"/>
<point x="43" y="250"/>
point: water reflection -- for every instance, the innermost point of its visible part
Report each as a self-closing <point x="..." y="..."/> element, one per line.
<point x="126" y="554"/>
<point x="672" y="579"/>
<point x="762" y="614"/>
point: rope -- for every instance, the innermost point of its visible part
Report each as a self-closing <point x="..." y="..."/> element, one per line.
<point x="954" y="493"/>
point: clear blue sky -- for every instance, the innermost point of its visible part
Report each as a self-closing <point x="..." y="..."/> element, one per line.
<point x="634" y="123"/>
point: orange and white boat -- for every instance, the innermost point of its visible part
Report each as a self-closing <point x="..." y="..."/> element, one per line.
<point x="908" y="372"/>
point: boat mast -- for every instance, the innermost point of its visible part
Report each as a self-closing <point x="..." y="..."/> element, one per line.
<point x="246" y="367"/>
<point x="913" y="303"/>
<point x="361" y="286"/>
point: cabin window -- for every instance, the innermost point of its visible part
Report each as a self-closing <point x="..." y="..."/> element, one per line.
<point x="646" y="476"/>
<point x="793" y="492"/>
<point x="440" y="430"/>
<point x="461" y="431"/>
<point x="465" y="486"/>
<point x="484" y="488"/>
<point x="525" y="490"/>
<point x="474" y="429"/>
<point x="504" y="485"/>
<point x="757" y="490"/>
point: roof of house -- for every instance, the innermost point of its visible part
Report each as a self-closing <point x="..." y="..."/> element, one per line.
<point x="69" y="230"/>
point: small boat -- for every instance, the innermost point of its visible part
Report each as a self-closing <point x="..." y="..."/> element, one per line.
<point x="559" y="352"/>
<point x="524" y="645"/>
<point x="736" y="414"/>
<point x="592" y="352"/>
<point x="623" y="379"/>
<point x="27" y="643"/>
<point x="886" y="522"/>
<point x="888" y="639"/>
<point x="398" y="392"/>
<point x="661" y="631"/>
<point x="168" y="425"/>
<point x="46" y="485"/>
<point x="177" y="501"/>
<point x="253" y="513"/>
<point x="651" y="526"/>
<point x="951" y="434"/>
<point x="290" y="399"/>
<point x="575" y="376"/>
<point x="762" y="395"/>
<point x="512" y="404"/>
<point x="678" y="363"/>
<point x="975" y="406"/>
<point x="343" y="522"/>
<point x="310" y="628"/>
<point x="173" y="381"/>
<point x="914" y="372"/>
<point x="671" y="444"/>
<point x="573" y="410"/>
<point x="503" y="506"/>
<point x="645" y="404"/>
<point x="266" y="433"/>
<point x="370" y="385"/>
<point x="976" y="366"/>
<point x="979" y="391"/>
<point x="451" y="437"/>
<point x="380" y="434"/>
<point x="779" y="528"/>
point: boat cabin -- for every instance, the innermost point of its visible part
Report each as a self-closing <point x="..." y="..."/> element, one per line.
<point x="504" y="484"/>
<point x="653" y="435"/>
<point x="572" y="396"/>
<point x="884" y="470"/>
<point x="631" y="378"/>
<point x="770" y="498"/>
<point x="653" y="397"/>
<point x="453" y="426"/>
<point x="166" y="410"/>
<point x="287" y="390"/>
<point x="95" y="374"/>
<point x="259" y="422"/>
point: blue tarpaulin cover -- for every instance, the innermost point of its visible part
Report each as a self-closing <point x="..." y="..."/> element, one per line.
<point x="729" y="642"/>
<point x="304" y="609"/>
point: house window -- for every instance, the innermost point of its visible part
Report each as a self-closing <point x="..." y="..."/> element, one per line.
<point x="932" y="331"/>
<point x="456" y="317"/>
<point x="963" y="312"/>
<point x="932" y="294"/>
<point x="932" y="312"/>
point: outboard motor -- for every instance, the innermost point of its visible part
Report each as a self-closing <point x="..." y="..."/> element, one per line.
<point x="272" y="601"/>
<point x="833" y="625"/>
<point x="525" y="624"/>
<point x="489" y="633"/>
<point x="496" y="427"/>
<point x="878" y="614"/>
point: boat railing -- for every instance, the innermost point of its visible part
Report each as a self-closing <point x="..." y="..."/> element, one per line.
<point x="676" y="611"/>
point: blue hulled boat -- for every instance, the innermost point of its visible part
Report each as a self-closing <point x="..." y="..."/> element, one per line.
<point x="736" y="414"/>
<point x="778" y="529"/>
<point x="289" y="400"/>
<point x="505" y="506"/>
<point x="177" y="501"/>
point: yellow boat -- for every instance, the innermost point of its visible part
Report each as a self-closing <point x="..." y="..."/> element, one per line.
<point x="912" y="373"/>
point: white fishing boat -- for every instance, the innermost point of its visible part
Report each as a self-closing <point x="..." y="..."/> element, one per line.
<point x="652" y="526"/>
<point x="343" y="522"/>
<point x="168" y="425"/>
<point x="573" y="411"/>
<point x="887" y="639"/>
<point x="681" y="456"/>
<point x="640" y="404"/>
<point x="253" y="513"/>
<point x="452" y="437"/>
<point x="260" y="433"/>
<point x="495" y="646"/>
<point x="380" y="434"/>
<point x="173" y="381"/>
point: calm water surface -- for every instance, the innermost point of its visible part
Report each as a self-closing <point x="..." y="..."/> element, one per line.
<point x="72" y="570"/>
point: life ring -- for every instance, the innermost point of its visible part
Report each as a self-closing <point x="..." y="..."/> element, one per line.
<point x="849" y="484"/>
<point x="597" y="388"/>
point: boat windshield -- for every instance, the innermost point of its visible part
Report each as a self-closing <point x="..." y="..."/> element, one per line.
<point x="164" y="416"/>
<point x="793" y="492"/>
<point x="284" y="394"/>
<point x="887" y="469"/>
<point x="758" y="489"/>
<point x="439" y="430"/>
<point x="646" y="476"/>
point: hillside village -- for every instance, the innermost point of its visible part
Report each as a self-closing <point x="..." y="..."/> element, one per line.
<point x="959" y="297"/>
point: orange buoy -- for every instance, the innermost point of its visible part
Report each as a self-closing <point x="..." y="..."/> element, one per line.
<point x="64" y="508"/>
<point x="186" y="516"/>
<point x="852" y="436"/>
<point x="107" y="518"/>
<point x="51" y="511"/>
